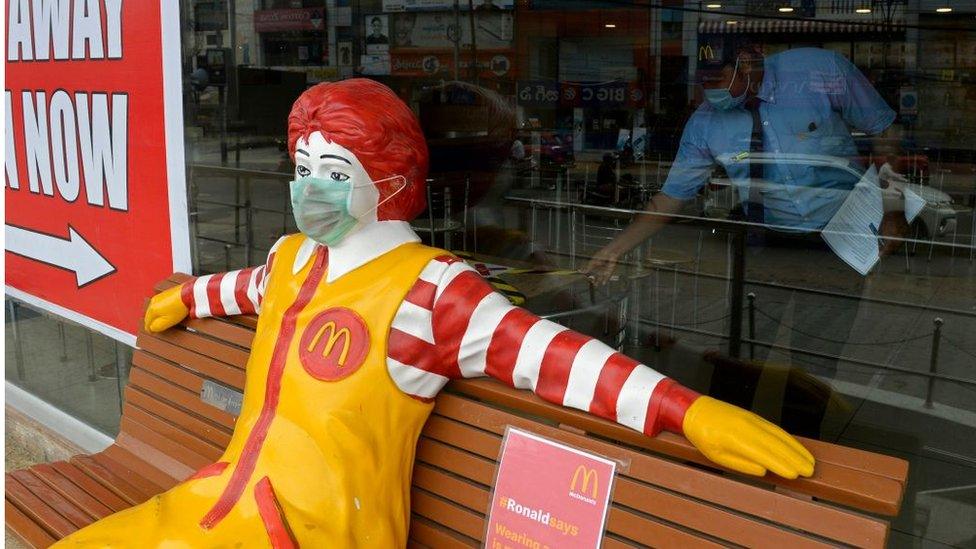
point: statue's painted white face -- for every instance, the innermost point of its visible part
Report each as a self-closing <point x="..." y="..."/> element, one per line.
<point x="317" y="157"/>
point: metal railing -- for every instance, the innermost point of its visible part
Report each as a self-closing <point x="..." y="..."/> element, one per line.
<point x="737" y="282"/>
<point x="242" y="206"/>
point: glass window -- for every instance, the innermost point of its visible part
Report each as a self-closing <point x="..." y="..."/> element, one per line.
<point x="76" y="369"/>
<point x="770" y="201"/>
<point x="719" y="160"/>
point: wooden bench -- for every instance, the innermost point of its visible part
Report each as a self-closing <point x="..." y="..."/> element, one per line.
<point x="666" y="494"/>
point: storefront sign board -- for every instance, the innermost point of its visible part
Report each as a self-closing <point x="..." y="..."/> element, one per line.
<point x="296" y="19"/>
<point x="549" y="93"/>
<point x="446" y="5"/>
<point x="489" y="64"/>
<point x="95" y="189"/>
<point x="493" y="30"/>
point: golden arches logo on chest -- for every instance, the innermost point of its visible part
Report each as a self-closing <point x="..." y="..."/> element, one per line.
<point x="334" y="344"/>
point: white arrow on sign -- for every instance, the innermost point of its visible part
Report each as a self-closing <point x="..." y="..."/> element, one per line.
<point x="73" y="254"/>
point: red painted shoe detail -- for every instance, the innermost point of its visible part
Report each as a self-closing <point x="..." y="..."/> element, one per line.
<point x="274" y="521"/>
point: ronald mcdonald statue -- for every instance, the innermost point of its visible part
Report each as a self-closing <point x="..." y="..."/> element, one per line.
<point x="359" y="327"/>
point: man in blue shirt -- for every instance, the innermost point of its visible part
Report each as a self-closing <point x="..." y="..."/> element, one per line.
<point x="798" y="108"/>
<point x="808" y="101"/>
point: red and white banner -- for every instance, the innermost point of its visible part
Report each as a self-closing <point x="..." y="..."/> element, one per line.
<point x="95" y="188"/>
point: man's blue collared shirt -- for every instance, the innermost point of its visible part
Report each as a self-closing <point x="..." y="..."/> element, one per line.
<point x="810" y="99"/>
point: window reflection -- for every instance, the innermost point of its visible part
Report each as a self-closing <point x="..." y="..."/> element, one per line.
<point x="73" y="368"/>
<point x="691" y="159"/>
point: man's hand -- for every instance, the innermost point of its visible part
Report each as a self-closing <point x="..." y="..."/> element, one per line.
<point x="744" y="442"/>
<point x="602" y="266"/>
<point x="662" y="207"/>
<point x="166" y="309"/>
<point x="894" y="229"/>
<point x="889" y="177"/>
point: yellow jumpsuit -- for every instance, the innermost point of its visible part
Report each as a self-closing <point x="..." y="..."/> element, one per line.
<point x="323" y="450"/>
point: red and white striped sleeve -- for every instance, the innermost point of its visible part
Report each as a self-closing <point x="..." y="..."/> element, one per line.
<point x="452" y="324"/>
<point x="231" y="293"/>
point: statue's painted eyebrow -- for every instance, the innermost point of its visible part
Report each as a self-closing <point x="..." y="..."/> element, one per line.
<point x="336" y="157"/>
<point x="302" y="151"/>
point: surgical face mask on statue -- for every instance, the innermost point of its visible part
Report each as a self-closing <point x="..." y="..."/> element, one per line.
<point x="332" y="195"/>
<point x="722" y="99"/>
<point x="322" y="206"/>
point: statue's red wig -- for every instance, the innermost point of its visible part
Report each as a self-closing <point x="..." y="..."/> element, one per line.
<point x="367" y="118"/>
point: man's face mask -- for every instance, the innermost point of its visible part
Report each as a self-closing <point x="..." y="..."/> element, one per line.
<point x="722" y="99"/>
<point x="321" y="206"/>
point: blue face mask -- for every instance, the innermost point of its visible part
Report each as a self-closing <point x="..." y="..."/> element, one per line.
<point x="321" y="207"/>
<point x="722" y="99"/>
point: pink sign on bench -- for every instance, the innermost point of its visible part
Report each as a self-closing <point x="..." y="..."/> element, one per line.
<point x="548" y="494"/>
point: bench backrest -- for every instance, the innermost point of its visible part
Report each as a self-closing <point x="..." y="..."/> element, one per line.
<point x="666" y="492"/>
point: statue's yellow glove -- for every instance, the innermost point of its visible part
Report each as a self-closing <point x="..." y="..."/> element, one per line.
<point x="742" y="441"/>
<point x="166" y="309"/>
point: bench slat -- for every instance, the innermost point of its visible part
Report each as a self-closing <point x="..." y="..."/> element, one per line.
<point x="145" y="485"/>
<point x="77" y="496"/>
<point x="704" y="518"/>
<point x="612" y="542"/>
<point x="457" y="461"/>
<point x="91" y="486"/>
<point x="202" y="436"/>
<point x="55" y="500"/>
<point x="171" y="280"/>
<point x="37" y="509"/>
<point x="110" y="480"/>
<point x="138" y="461"/>
<point x="29" y="531"/>
<point x="223" y="330"/>
<point x="174" y="373"/>
<point x="430" y="535"/>
<point x="213" y="369"/>
<point x="859" y="460"/>
<point x="202" y="345"/>
<point x="462" y="492"/>
<point x="186" y="400"/>
<point x="159" y="442"/>
<point x="443" y="512"/>
<point x="652" y="533"/>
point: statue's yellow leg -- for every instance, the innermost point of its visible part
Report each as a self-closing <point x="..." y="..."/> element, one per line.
<point x="172" y="520"/>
